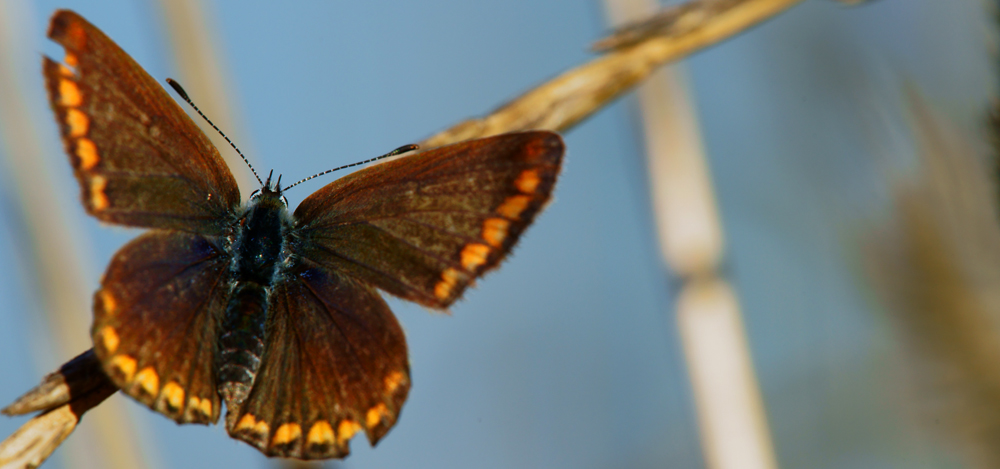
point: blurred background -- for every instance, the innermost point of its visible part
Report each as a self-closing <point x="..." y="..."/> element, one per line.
<point x="848" y="149"/>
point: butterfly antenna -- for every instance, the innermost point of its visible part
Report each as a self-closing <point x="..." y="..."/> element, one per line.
<point x="398" y="151"/>
<point x="177" y="87"/>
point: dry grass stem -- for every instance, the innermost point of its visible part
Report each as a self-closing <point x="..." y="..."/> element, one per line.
<point x="35" y="441"/>
<point x="732" y="421"/>
<point x="576" y="94"/>
<point x="77" y="377"/>
<point x="63" y="397"/>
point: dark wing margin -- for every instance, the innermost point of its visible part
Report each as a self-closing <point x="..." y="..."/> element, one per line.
<point x="424" y="227"/>
<point x="156" y="318"/>
<point x="139" y="159"/>
<point x="335" y="363"/>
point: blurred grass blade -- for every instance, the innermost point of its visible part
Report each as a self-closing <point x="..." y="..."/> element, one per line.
<point x="937" y="267"/>
<point x="194" y="48"/>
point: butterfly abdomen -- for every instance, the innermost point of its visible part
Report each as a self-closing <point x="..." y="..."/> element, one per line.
<point x="241" y="343"/>
<point x="256" y="257"/>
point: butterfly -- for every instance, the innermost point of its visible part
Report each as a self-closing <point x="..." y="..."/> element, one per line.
<point x="275" y="313"/>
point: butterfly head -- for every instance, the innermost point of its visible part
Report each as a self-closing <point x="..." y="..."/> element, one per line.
<point x="269" y="192"/>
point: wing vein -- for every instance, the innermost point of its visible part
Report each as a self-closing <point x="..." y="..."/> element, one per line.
<point x="350" y="344"/>
<point x="384" y="274"/>
<point x="390" y="217"/>
<point x="201" y="346"/>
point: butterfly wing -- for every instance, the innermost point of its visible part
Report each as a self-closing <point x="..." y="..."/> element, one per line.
<point x="424" y="227"/>
<point x="138" y="157"/>
<point x="156" y="320"/>
<point x="334" y="363"/>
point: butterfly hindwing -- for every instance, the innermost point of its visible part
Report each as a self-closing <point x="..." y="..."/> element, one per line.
<point x="156" y="321"/>
<point x="423" y="227"/>
<point x="335" y="363"/>
<point x="139" y="159"/>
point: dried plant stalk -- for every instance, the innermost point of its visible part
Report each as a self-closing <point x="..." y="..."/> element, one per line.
<point x="576" y="94"/>
<point x="65" y="396"/>
<point x="732" y="421"/>
<point x="77" y="377"/>
<point x="35" y="441"/>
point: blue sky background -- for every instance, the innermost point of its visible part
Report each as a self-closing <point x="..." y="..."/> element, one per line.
<point x="568" y="356"/>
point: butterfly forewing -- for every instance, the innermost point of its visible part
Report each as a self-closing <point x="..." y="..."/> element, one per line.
<point x="156" y="320"/>
<point x="335" y="363"/>
<point x="138" y="157"/>
<point x="424" y="227"/>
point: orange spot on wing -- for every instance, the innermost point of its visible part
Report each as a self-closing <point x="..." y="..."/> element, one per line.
<point x="393" y="381"/>
<point x="247" y="422"/>
<point x="65" y="71"/>
<point x="443" y="289"/>
<point x="71" y="60"/>
<point x="474" y="255"/>
<point x="148" y="380"/>
<point x="250" y="424"/>
<point x="287" y="433"/>
<point x="108" y="304"/>
<point x="205" y="408"/>
<point x="513" y="206"/>
<point x="321" y="433"/>
<point x="87" y="152"/>
<point x="78" y="122"/>
<point x="174" y="394"/>
<point x="375" y="414"/>
<point x="346" y="430"/>
<point x="123" y="365"/>
<point x="69" y="93"/>
<point x="527" y="181"/>
<point x="495" y="231"/>
<point x="98" y="199"/>
<point x="193" y="403"/>
<point x="262" y="428"/>
<point x="109" y="339"/>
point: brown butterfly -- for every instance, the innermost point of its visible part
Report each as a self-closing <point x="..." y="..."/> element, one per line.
<point x="275" y="313"/>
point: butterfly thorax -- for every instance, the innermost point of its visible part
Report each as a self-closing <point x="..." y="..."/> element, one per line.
<point x="257" y="250"/>
<point x="258" y="245"/>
